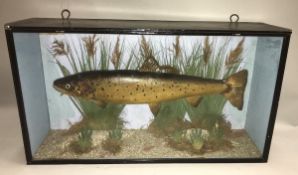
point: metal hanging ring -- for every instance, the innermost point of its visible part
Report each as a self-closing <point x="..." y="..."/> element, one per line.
<point x="65" y="14"/>
<point x="234" y="18"/>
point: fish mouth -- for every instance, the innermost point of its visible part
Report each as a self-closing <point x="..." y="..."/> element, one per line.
<point x="59" y="89"/>
<point x="62" y="91"/>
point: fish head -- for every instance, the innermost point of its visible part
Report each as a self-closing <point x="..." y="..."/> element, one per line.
<point x="68" y="85"/>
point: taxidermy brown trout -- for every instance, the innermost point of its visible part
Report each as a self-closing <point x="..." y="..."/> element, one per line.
<point x="136" y="87"/>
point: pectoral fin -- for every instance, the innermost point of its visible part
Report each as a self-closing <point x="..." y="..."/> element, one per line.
<point x="100" y="103"/>
<point x="154" y="107"/>
<point x="194" y="100"/>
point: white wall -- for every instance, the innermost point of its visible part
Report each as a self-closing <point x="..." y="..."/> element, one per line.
<point x="278" y="12"/>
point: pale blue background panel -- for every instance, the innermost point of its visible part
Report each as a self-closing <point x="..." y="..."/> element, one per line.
<point x="29" y="60"/>
<point x="262" y="88"/>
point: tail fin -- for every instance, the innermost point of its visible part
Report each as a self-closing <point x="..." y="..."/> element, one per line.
<point x="235" y="92"/>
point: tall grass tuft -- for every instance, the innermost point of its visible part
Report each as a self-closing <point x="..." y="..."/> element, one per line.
<point x="93" y="54"/>
<point x="204" y="60"/>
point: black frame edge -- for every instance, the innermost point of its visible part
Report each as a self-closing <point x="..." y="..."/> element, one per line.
<point x="276" y="95"/>
<point x="17" y="85"/>
<point x="18" y="93"/>
<point x="146" y="161"/>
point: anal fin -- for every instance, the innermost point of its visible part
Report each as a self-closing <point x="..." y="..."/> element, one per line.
<point x="154" y="107"/>
<point x="194" y="100"/>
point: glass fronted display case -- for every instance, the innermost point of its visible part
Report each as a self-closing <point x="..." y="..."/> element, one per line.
<point x="111" y="91"/>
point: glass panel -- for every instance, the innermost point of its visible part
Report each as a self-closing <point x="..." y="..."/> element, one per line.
<point x="154" y="96"/>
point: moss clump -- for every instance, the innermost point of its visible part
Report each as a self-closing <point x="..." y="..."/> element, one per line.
<point x="83" y="144"/>
<point x="113" y="142"/>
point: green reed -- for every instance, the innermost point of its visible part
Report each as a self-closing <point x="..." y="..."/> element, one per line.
<point x="92" y="54"/>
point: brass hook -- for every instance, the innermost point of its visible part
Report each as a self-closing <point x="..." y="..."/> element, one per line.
<point x="65" y="14"/>
<point x="234" y="18"/>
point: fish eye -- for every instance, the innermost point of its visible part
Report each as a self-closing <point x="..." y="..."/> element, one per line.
<point x="67" y="86"/>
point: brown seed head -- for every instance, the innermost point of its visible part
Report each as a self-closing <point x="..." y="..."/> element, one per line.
<point x="177" y="48"/>
<point x="59" y="48"/>
<point x="90" y="45"/>
<point x="116" y="54"/>
<point x="146" y="50"/>
<point x="234" y="55"/>
<point x="207" y="50"/>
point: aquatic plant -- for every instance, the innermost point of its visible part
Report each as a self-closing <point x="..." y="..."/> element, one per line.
<point x="216" y="133"/>
<point x="93" y="54"/>
<point x="115" y="134"/>
<point x="220" y="65"/>
<point x="113" y="141"/>
<point x="178" y="135"/>
<point x="197" y="140"/>
<point x="178" y="140"/>
<point x="204" y="60"/>
<point x="83" y="144"/>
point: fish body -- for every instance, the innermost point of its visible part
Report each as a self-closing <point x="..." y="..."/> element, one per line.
<point x="136" y="87"/>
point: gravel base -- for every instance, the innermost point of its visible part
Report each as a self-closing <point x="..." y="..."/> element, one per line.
<point x="136" y="144"/>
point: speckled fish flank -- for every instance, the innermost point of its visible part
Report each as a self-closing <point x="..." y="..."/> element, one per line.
<point x="135" y="87"/>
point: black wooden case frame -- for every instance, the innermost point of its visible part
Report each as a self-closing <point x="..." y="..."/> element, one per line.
<point x="37" y="25"/>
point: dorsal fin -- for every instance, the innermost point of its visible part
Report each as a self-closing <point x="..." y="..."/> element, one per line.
<point x="150" y="65"/>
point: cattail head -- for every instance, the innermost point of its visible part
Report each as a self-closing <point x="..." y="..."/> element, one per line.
<point x="116" y="55"/>
<point x="234" y="55"/>
<point x="146" y="50"/>
<point x="90" y="45"/>
<point x="59" y="48"/>
<point x="176" y="46"/>
<point x="207" y="50"/>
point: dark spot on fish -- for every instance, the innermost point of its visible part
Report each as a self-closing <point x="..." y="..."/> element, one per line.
<point x="130" y="93"/>
<point x="137" y="89"/>
<point x="156" y="96"/>
<point x="180" y="89"/>
<point x="117" y="89"/>
<point x="163" y="89"/>
<point x="193" y="90"/>
<point x="102" y="89"/>
<point x="122" y="96"/>
<point x="144" y="95"/>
